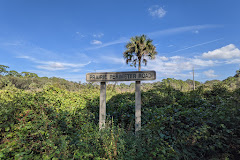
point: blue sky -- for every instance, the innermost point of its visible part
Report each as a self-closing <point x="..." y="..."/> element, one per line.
<point x="69" y="38"/>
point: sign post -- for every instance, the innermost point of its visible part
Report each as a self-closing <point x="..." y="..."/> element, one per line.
<point x="102" y="107"/>
<point x="104" y="77"/>
<point x="137" y="106"/>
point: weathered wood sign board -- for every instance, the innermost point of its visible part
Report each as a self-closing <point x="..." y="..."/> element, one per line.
<point x="104" y="77"/>
<point x="121" y="76"/>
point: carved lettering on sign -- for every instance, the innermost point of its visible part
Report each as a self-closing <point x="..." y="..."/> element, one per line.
<point x="121" y="76"/>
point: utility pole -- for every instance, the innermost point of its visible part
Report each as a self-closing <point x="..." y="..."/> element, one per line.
<point x="193" y="80"/>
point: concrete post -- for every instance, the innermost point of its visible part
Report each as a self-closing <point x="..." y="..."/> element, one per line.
<point x="102" y="108"/>
<point x="137" y="106"/>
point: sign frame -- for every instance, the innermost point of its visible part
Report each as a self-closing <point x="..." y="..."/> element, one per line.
<point x="104" y="77"/>
<point x="121" y="76"/>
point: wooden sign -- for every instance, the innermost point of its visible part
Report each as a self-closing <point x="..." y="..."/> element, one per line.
<point x="121" y="76"/>
<point x="104" y="77"/>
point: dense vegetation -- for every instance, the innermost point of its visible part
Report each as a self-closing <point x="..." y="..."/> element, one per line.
<point x="51" y="118"/>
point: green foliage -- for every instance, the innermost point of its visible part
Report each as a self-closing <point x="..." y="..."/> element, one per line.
<point x="138" y="49"/>
<point x="45" y="118"/>
<point x="237" y="73"/>
<point x="3" y="69"/>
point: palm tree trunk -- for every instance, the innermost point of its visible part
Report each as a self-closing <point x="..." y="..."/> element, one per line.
<point x="138" y="101"/>
<point x="139" y="64"/>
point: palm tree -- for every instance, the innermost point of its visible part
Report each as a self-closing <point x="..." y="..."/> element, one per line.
<point x="138" y="49"/>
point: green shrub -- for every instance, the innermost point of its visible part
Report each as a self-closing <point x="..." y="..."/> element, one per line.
<point x="55" y="123"/>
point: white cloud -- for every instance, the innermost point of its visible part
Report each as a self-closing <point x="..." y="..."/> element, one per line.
<point x="203" y="63"/>
<point x="96" y="42"/>
<point x="15" y="43"/>
<point x="163" y="58"/>
<point x="160" y="33"/>
<point x="53" y="66"/>
<point x="20" y="48"/>
<point x="196" y="31"/>
<point x="181" y="30"/>
<point x="157" y="11"/>
<point x="171" y="45"/>
<point x="196" y="45"/>
<point x="27" y="57"/>
<point x="113" y="59"/>
<point x="209" y="74"/>
<point x="177" y="65"/>
<point x="176" y="57"/>
<point x="227" y="52"/>
<point x="181" y="67"/>
<point x="28" y="51"/>
<point x="233" y="61"/>
<point x="76" y="70"/>
<point x="80" y="34"/>
<point x="99" y="35"/>
<point x="120" y="40"/>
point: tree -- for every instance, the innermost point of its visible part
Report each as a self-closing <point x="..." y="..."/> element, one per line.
<point x="14" y="73"/>
<point x="237" y="73"/>
<point x="25" y="74"/>
<point x="29" y="74"/>
<point x="3" y="70"/>
<point x="138" y="49"/>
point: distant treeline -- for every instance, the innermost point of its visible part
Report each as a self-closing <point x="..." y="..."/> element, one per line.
<point x="31" y="81"/>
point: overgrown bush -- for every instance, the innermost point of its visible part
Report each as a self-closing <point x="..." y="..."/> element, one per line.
<point x="55" y="123"/>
